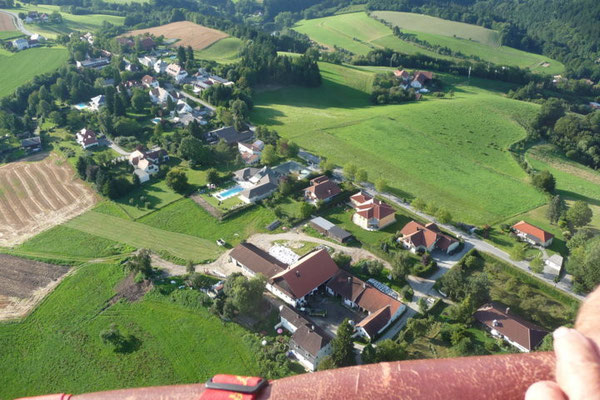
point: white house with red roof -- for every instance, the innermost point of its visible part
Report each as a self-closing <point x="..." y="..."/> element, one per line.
<point x="150" y="82"/>
<point x="419" y="237"/>
<point x="421" y="78"/>
<point x="177" y="72"/>
<point x="532" y="234"/>
<point x="145" y="162"/>
<point x="371" y="214"/>
<point x="402" y="74"/>
<point x="86" y="138"/>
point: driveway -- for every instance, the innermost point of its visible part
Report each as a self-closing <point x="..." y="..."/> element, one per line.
<point x="109" y="143"/>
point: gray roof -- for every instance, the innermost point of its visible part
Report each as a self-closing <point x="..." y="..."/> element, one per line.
<point x="31" y="142"/>
<point x="259" y="190"/>
<point x="338" y="233"/>
<point x="231" y="135"/>
<point x="322" y="223"/>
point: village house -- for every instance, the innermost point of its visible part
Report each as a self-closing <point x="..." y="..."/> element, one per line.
<point x="160" y="96"/>
<point x="420" y="79"/>
<point x="382" y="309"/>
<point x="230" y="135"/>
<point x="182" y="107"/>
<point x="321" y="189"/>
<point x="20" y="44"/>
<point x="511" y="328"/>
<point x="146" y="162"/>
<point x="532" y="234"/>
<point x="252" y="260"/>
<point x="309" y="342"/>
<point x="86" y="138"/>
<point x="147" y="61"/>
<point x="418" y="237"/>
<point x="176" y="72"/>
<point x="402" y="74"/>
<point x="94" y="63"/>
<point x="326" y="228"/>
<point x="160" y="67"/>
<point x="150" y="82"/>
<point x="147" y="43"/>
<point x="251" y="152"/>
<point x="371" y="214"/>
<point x="554" y="264"/>
<point x="97" y="102"/>
<point x="32" y="144"/>
<point x="125" y="41"/>
<point x="258" y="183"/>
<point x="88" y="37"/>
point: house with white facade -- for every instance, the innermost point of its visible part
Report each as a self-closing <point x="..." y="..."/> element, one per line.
<point x="532" y="234"/>
<point x="429" y="237"/>
<point x="86" y="138"/>
<point x="97" y="102"/>
<point x="160" y="67"/>
<point x="177" y="72"/>
<point x="20" y="44"/>
<point x="371" y="214"/>
<point x="146" y="162"/>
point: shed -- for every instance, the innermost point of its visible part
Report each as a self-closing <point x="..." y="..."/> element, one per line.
<point x="321" y="225"/>
<point x="338" y="234"/>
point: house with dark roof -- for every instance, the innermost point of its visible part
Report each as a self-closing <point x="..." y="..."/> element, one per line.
<point x="309" y="342"/>
<point x="381" y="308"/>
<point x="146" y="162"/>
<point x="230" y="135"/>
<point x="513" y="329"/>
<point x="421" y="78"/>
<point x="532" y="234"/>
<point x="32" y="144"/>
<point x="326" y="228"/>
<point x="321" y="189"/>
<point x="419" y="237"/>
<point x="252" y="260"/>
<point x="258" y="183"/>
<point x="371" y="214"/>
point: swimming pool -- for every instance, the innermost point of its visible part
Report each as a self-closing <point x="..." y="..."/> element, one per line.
<point x="224" y="195"/>
<point x="81" y="106"/>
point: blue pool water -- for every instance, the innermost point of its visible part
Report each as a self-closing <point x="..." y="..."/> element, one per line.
<point x="81" y="106"/>
<point x="229" y="193"/>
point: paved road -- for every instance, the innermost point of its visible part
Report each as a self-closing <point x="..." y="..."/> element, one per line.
<point x="109" y="143"/>
<point x="18" y="22"/>
<point x="477" y="243"/>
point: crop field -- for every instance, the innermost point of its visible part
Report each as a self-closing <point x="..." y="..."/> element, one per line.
<point x="35" y="196"/>
<point x="188" y="33"/>
<point x="57" y="348"/>
<point x="450" y="151"/>
<point x="223" y="51"/>
<point x="359" y="33"/>
<point x="143" y="236"/>
<point x="6" y="23"/>
<point x="24" y="283"/>
<point x="19" y="68"/>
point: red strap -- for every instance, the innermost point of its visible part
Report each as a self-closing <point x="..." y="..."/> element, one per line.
<point x="217" y="394"/>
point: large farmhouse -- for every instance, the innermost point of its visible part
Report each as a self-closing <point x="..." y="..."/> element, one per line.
<point x="382" y="309"/>
<point x="522" y="334"/>
<point x="419" y="237"/>
<point x="321" y="189"/>
<point x="371" y="214"/>
<point x="533" y="234"/>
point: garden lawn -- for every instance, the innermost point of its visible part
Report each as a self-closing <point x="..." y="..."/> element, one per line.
<point x="62" y="242"/>
<point x="224" y="51"/>
<point x="139" y="235"/>
<point x="20" y="68"/>
<point x="58" y="347"/>
<point x="451" y="151"/>
<point x="186" y="217"/>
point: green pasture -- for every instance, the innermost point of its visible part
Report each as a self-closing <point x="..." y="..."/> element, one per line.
<point x="71" y="22"/>
<point x="20" y="68"/>
<point x="359" y="33"/>
<point x="10" y="35"/>
<point x="143" y="236"/>
<point x="57" y="349"/>
<point x="451" y="151"/>
<point x="223" y="51"/>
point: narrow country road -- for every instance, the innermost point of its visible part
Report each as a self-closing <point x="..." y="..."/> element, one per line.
<point x="109" y="143"/>
<point x="197" y="100"/>
<point x="17" y="21"/>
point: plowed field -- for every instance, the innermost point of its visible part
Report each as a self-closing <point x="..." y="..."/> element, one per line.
<point x="6" y="23"/>
<point x="37" y="195"/>
<point x="188" y="33"/>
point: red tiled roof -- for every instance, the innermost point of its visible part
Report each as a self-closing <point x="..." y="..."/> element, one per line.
<point x="401" y="73"/>
<point x="147" y="79"/>
<point x="360" y="197"/>
<point x="376" y="321"/>
<point x="532" y="230"/>
<point x="426" y="235"/>
<point x="324" y="189"/>
<point x="376" y="209"/>
<point x="306" y="274"/>
<point x="513" y="327"/>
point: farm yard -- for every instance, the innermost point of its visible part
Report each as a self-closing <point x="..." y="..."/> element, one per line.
<point x="19" y="68"/>
<point x="464" y="139"/>
<point x="188" y="33"/>
<point x="58" y="348"/>
<point x="24" y="283"/>
<point x="359" y="33"/>
<point x="37" y="195"/>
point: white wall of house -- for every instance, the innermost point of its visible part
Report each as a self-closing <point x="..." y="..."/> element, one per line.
<point x="283" y="296"/>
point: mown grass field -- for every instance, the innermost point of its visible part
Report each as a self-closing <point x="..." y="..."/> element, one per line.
<point x="19" y="68"/>
<point x="71" y="22"/>
<point x="224" y="51"/>
<point x="57" y="349"/>
<point x="143" y="236"/>
<point x="10" y="35"/>
<point x="359" y="33"/>
<point x="451" y="151"/>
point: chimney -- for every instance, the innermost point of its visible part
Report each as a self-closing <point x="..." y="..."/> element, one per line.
<point x="312" y="328"/>
<point x="364" y="285"/>
<point x="349" y="279"/>
<point x="298" y="273"/>
<point x="507" y="310"/>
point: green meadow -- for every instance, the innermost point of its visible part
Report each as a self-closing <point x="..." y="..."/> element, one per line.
<point x="57" y="349"/>
<point x="450" y="151"/>
<point x="71" y="22"/>
<point x="359" y="33"/>
<point x="223" y="51"/>
<point x="19" y="68"/>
